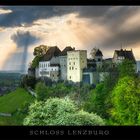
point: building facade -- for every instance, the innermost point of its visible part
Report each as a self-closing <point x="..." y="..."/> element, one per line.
<point x="120" y="55"/>
<point x="63" y="66"/>
<point x="46" y="69"/>
<point x="76" y="62"/>
<point x="97" y="55"/>
<point x="49" y="66"/>
<point x="63" y="62"/>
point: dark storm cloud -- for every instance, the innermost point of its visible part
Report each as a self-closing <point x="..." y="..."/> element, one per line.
<point x="28" y="14"/>
<point x="123" y="39"/>
<point x="23" y="41"/>
<point x="92" y="11"/>
<point x="111" y="17"/>
<point x="24" y="38"/>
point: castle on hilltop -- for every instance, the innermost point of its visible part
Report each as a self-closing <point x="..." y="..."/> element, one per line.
<point x="74" y="66"/>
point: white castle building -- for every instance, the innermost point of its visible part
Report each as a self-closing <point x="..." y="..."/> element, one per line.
<point x="73" y="65"/>
<point x="76" y="62"/>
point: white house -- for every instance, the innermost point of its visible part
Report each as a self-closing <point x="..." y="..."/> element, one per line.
<point x="49" y="66"/>
<point x="120" y="55"/>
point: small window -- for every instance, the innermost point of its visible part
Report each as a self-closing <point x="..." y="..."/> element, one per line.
<point x="69" y="63"/>
<point x="70" y="77"/>
<point x="69" y="68"/>
<point x="74" y="63"/>
<point x="72" y="68"/>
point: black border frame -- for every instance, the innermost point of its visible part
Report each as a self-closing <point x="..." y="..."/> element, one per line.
<point x="69" y="2"/>
<point x="115" y="132"/>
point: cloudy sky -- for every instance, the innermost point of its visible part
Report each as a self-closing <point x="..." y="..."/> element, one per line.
<point x="84" y="27"/>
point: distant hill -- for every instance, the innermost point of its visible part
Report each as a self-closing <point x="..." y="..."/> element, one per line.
<point x="9" y="75"/>
<point x="9" y="79"/>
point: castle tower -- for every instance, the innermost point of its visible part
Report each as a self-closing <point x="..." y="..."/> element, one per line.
<point x="76" y="62"/>
<point x="96" y="54"/>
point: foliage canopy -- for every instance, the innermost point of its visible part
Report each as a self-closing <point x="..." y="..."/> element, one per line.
<point x="57" y="111"/>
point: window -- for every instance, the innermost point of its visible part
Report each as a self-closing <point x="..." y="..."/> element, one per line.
<point x="72" y="68"/>
<point x="74" y="63"/>
<point x="70" y="77"/>
<point x="69" y="63"/>
<point x="69" y="68"/>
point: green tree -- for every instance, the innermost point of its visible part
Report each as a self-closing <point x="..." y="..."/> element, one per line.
<point x="60" y="90"/>
<point x="99" y="99"/>
<point x="28" y="81"/>
<point x="57" y="111"/>
<point x="42" y="91"/>
<point x="40" y="50"/>
<point x="35" y="62"/>
<point x="38" y="53"/>
<point x="126" y="101"/>
<point x="126" y="68"/>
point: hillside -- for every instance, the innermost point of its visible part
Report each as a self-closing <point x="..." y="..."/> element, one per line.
<point x="10" y="103"/>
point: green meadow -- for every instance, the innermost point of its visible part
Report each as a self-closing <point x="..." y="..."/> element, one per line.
<point x="12" y="103"/>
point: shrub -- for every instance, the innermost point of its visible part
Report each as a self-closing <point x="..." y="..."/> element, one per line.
<point x="57" y="111"/>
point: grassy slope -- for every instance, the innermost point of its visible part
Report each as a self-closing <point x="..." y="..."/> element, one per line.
<point x="10" y="103"/>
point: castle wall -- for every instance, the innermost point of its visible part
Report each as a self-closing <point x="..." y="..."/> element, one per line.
<point x="63" y="67"/>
